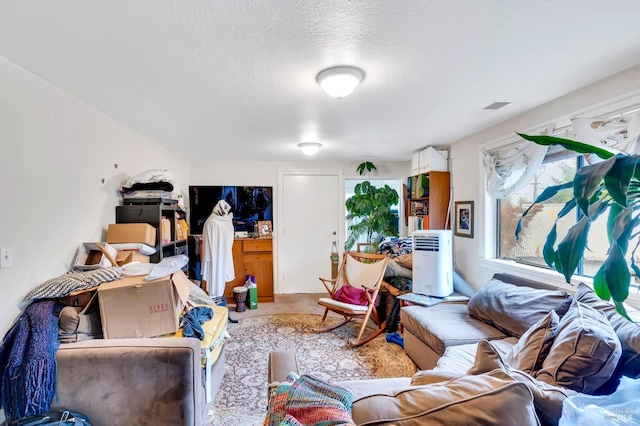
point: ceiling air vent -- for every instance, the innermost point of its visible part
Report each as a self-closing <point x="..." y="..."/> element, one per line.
<point x="497" y="105"/>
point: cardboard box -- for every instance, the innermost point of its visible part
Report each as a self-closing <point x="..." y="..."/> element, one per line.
<point x="128" y="256"/>
<point x="91" y="257"/>
<point x="133" y="307"/>
<point x="131" y="233"/>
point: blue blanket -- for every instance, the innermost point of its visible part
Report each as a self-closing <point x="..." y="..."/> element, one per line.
<point x="28" y="361"/>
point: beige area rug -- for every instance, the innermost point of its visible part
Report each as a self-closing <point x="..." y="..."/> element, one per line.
<point x="242" y="399"/>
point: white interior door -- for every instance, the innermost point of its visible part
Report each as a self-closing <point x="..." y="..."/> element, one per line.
<point x="310" y="217"/>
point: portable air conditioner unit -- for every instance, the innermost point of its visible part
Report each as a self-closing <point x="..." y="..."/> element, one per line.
<point x="432" y="262"/>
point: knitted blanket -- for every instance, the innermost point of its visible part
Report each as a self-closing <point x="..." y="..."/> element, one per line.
<point x="307" y="400"/>
<point x="28" y="361"/>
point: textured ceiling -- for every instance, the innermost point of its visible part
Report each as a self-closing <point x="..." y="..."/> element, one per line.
<point x="236" y="79"/>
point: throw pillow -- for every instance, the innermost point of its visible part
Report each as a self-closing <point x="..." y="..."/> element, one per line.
<point x="351" y="295"/>
<point x="547" y="399"/>
<point x="584" y="353"/>
<point x="467" y="400"/>
<point x="513" y="309"/>
<point x="627" y="331"/>
<point x="533" y="346"/>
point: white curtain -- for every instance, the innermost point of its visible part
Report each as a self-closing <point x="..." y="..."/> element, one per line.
<point x="508" y="170"/>
<point x="621" y="134"/>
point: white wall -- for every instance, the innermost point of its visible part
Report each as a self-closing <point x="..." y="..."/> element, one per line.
<point x="55" y="153"/>
<point x="265" y="173"/>
<point x="466" y="165"/>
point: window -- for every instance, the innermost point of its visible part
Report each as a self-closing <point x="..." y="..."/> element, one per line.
<point x="559" y="166"/>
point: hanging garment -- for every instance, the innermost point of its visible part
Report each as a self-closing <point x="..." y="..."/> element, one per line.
<point x="217" y="250"/>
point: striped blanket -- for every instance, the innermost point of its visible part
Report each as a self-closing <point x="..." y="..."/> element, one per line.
<point x="307" y="400"/>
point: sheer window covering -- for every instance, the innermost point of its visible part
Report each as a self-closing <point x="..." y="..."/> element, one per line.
<point x="511" y="168"/>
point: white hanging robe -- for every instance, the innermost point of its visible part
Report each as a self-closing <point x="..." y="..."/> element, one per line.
<point x="217" y="250"/>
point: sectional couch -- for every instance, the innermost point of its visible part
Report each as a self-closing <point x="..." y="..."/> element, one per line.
<point x="511" y="356"/>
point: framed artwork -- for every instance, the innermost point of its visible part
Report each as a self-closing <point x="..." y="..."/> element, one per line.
<point x="264" y="229"/>
<point x="464" y="219"/>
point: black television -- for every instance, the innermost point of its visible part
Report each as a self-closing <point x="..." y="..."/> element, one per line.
<point x="248" y="205"/>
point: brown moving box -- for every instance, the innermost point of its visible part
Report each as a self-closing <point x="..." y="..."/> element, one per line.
<point x="133" y="307"/>
<point x="131" y="233"/>
<point x="128" y="256"/>
<point x="91" y="257"/>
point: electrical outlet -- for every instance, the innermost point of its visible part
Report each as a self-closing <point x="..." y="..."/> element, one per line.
<point x="6" y="258"/>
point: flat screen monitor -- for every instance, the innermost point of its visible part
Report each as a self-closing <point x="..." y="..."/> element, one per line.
<point x="248" y="205"/>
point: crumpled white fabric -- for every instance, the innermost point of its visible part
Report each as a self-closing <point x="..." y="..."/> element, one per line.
<point x="217" y="249"/>
<point x="151" y="175"/>
<point x="222" y="208"/>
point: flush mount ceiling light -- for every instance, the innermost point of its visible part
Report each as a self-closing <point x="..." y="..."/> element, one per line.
<point x="309" y="148"/>
<point x="339" y="82"/>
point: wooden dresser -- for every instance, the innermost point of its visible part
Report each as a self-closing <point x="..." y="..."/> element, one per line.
<point x="253" y="256"/>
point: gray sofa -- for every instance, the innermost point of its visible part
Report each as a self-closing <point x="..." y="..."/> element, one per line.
<point x="512" y="355"/>
<point x="136" y="381"/>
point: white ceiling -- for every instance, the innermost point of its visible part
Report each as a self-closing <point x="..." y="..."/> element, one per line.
<point x="233" y="79"/>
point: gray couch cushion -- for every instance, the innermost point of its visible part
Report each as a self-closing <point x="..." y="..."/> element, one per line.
<point x="446" y="324"/>
<point x="472" y="400"/>
<point x="547" y="399"/>
<point x="584" y="353"/>
<point x="513" y="309"/>
<point x="533" y="346"/>
<point x="460" y="358"/>
<point x="628" y="332"/>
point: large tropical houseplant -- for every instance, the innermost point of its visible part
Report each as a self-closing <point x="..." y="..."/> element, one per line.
<point x="611" y="186"/>
<point x="369" y="210"/>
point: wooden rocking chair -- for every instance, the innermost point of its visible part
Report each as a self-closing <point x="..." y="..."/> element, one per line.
<point x="361" y="271"/>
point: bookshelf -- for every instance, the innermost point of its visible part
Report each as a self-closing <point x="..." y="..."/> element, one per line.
<point x="427" y="201"/>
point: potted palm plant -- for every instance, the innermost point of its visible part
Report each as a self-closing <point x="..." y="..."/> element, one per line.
<point x="370" y="210"/>
<point x="612" y="186"/>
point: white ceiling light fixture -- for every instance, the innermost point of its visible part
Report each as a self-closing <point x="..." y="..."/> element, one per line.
<point x="339" y="82"/>
<point x="309" y="148"/>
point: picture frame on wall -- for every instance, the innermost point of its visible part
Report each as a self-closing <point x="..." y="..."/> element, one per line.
<point x="464" y="219"/>
<point x="264" y="229"/>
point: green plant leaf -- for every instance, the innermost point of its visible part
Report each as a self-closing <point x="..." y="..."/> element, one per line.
<point x="618" y="178"/>
<point x="634" y="266"/>
<point x="575" y="146"/>
<point x="614" y="211"/>
<point x="600" y="284"/>
<point x="571" y="249"/>
<point x="587" y="181"/>
<point x="623" y="227"/>
<point x="544" y="196"/>
<point x="621" y="310"/>
<point x="568" y="207"/>
<point x="367" y="165"/>
<point x="616" y="273"/>
<point x="548" y="251"/>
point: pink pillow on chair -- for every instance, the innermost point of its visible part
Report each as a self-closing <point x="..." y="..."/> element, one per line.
<point x="351" y="295"/>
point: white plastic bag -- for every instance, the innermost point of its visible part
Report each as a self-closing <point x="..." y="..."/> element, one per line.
<point x="136" y="268"/>
<point x="167" y="266"/>
<point x="620" y="408"/>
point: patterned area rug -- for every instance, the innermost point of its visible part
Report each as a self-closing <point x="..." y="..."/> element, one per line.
<point x="242" y="399"/>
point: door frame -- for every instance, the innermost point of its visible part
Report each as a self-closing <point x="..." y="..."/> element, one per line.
<point x="340" y="214"/>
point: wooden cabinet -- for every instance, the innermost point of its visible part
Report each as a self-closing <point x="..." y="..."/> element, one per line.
<point x="253" y="256"/>
<point x="427" y="201"/>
